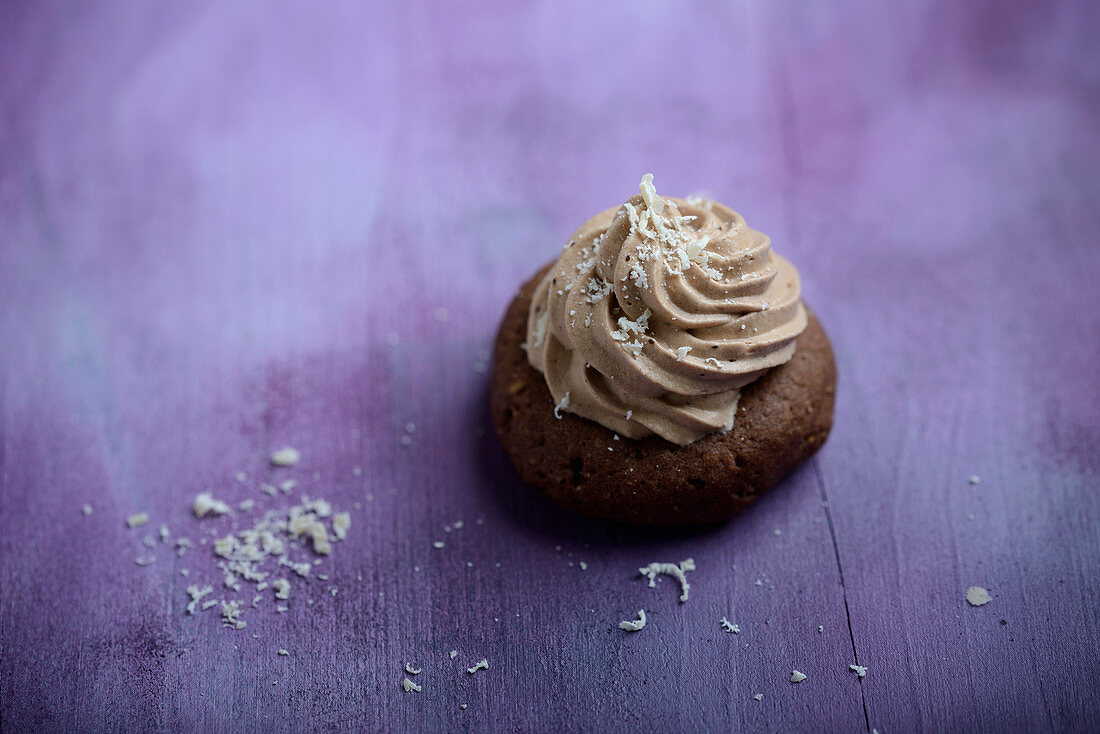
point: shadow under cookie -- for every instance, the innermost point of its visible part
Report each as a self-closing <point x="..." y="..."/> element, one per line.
<point x="782" y="419"/>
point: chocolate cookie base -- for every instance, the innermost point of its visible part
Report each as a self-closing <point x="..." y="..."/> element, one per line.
<point x="782" y="419"/>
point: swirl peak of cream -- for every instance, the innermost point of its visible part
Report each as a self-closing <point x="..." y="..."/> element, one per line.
<point x="658" y="312"/>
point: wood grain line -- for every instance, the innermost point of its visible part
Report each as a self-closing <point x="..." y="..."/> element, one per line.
<point x="843" y="588"/>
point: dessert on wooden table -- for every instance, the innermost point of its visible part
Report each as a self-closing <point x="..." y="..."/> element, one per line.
<point x="664" y="370"/>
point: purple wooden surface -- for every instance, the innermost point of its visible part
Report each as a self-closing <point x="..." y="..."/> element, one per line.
<point x="214" y="219"/>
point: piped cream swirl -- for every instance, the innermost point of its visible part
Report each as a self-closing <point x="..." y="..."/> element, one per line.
<point x="658" y="312"/>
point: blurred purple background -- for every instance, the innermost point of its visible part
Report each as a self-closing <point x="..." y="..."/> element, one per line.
<point x="228" y="227"/>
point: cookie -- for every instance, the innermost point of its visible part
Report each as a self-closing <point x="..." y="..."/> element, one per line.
<point x="782" y="419"/>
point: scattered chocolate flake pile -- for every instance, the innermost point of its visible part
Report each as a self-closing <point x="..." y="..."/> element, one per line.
<point x="281" y="544"/>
